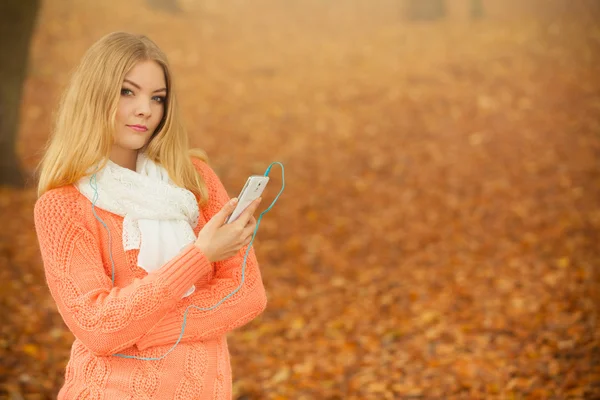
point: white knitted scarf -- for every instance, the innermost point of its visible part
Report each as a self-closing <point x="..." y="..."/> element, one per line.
<point x="159" y="216"/>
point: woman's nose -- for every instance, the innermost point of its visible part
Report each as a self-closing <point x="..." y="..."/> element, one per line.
<point x="143" y="108"/>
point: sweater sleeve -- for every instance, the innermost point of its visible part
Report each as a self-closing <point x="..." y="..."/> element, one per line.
<point x="104" y="318"/>
<point x="239" y="309"/>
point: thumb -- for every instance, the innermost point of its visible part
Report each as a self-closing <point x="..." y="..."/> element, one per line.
<point x="219" y="218"/>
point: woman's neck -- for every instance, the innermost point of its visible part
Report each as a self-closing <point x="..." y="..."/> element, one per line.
<point x="124" y="157"/>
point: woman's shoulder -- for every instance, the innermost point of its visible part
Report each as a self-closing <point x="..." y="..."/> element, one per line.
<point x="208" y="174"/>
<point x="59" y="203"/>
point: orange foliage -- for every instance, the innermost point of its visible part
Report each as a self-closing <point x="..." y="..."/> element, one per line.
<point x="438" y="237"/>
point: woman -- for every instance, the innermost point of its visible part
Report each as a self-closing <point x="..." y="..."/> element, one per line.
<point x="132" y="231"/>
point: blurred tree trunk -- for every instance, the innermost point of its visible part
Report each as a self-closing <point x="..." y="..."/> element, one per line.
<point x="425" y="9"/>
<point x="164" y="5"/>
<point x="477" y="9"/>
<point x="17" y="20"/>
<point x="464" y="10"/>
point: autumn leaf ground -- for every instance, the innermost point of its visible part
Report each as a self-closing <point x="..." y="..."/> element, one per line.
<point x="438" y="235"/>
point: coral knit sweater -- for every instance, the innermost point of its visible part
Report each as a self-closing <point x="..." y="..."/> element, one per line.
<point x="142" y="313"/>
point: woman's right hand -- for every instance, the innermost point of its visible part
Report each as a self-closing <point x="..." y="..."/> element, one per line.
<point x="218" y="240"/>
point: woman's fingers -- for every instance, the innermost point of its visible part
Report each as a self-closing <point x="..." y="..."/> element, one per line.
<point x="251" y="222"/>
<point x="220" y="217"/>
<point x="248" y="212"/>
<point x="248" y="232"/>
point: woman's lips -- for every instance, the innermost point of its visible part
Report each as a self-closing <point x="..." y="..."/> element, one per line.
<point x="138" y="128"/>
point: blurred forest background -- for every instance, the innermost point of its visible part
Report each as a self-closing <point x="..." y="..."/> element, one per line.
<point x="438" y="236"/>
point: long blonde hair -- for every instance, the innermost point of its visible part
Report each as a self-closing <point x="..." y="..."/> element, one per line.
<point x="83" y="133"/>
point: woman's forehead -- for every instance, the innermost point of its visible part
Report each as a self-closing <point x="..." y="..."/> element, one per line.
<point x="147" y="74"/>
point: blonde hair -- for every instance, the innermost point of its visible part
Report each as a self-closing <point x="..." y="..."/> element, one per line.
<point x="83" y="133"/>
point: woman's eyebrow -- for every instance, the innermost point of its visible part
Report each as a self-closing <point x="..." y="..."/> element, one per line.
<point x="139" y="88"/>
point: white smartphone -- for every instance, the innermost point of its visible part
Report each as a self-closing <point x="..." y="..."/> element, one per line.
<point x="251" y="191"/>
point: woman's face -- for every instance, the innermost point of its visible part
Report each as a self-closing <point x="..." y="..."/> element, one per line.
<point x="140" y="109"/>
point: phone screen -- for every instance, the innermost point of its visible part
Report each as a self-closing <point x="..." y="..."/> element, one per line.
<point x="252" y="190"/>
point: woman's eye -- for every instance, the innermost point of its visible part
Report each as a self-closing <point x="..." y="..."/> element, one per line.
<point x="160" y="99"/>
<point x="126" y="92"/>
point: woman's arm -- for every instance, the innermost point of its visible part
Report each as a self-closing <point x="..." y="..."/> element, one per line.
<point x="240" y="308"/>
<point x="106" y="319"/>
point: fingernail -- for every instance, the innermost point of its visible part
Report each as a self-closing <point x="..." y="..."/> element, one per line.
<point x="233" y="201"/>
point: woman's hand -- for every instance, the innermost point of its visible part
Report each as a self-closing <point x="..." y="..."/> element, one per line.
<point x="218" y="240"/>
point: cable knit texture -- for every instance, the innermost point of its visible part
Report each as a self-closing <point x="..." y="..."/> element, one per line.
<point x="143" y="313"/>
